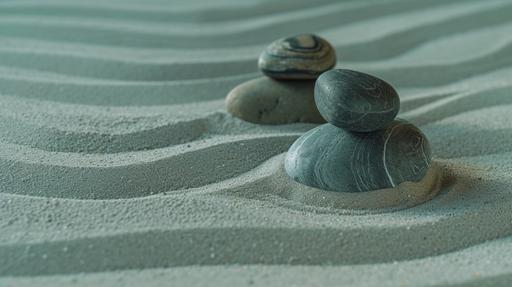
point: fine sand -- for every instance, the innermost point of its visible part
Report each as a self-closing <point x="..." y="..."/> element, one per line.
<point x="119" y="164"/>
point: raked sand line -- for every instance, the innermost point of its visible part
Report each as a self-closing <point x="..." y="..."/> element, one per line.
<point x="402" y="38"/>
<point x="54" y="139"/>
<point x="416" y="101"/>
<point x="348" y="243"/>
<point x="125" y="38"/>
<point x="457" y="136"/>
<point x="489" y="79"/>
<point x="152" y="71"/>
<point x="135" y="55"/>
<point x="126" y="70"/>
<point x="454" y="104"/>
<point x="421" y="108"/>
<point x="410" y="76"/>
<point x="461" y="175"/>
<point x="248" y="24"/>
<point x="468" y="45"/>
<point x="347" y="57"/>
<point x="66" y="139"/>
<point x="77" y="128"/>
<point x="51" y="174"/>
<point x="243" y="32"/>
<point x="108" y="93"/>
<point x="493" y="80"/>
<point x="437" y="51"/>
<point x="436" y="75"/>
<point x="142" y="6"/>
<point x="44" y="86"/>
<point x="348" y="12"/>
<point x="114" y="118"/>
<point x="157" y="12"/>
<point x="58" y="128"/>
<point x="133" y="71"/>
<point x="456" y="269"/>
<point x="471" y="143"/>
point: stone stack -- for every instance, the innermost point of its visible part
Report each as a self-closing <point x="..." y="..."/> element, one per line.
<point x="362" y="147"/>
<point x="286" y="93"/>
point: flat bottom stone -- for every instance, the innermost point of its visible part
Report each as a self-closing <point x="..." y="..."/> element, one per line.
<point x="268" y="101"/>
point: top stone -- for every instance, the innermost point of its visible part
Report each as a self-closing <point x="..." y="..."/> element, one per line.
<point x="355" y="101"/>
<point x="304" y="56"/>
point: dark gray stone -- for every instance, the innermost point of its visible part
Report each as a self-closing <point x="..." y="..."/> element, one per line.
<point x="334" y="159"/>
<point x="267" y="101"/>
<point x="302" y="56"/>
<point x="355" y="101"/>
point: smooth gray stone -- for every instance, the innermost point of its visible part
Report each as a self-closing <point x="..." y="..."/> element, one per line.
<point x="334" y="159"/>
<point x="268" y="101"/>
<point x="302" y="56"/>
<point x="355" y="101"/>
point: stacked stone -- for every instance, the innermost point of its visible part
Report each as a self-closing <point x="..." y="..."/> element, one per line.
<point x="362" y="147"/>
<point x="286" y="93"/>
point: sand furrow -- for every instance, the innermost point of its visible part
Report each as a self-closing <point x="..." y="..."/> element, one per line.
<point x="436" y="75"/>
<point x="286" y="243"/>
<point x="458" y="103"/>
<point x="249" y="24"/>
<point x="349" y="12"/>
<point x="108" y="93"/>
<point x="45" y="86"/>
<point x="399" y="39"/>
<point x="408" y="76"/>
<point x="76" y="128"/>
<point x="436" y="51"/>
<point x="472" y="44"/>
<point x="156" y="12"/>
<point x="55" y="139"/>
<point x="126" y="70"/>
<point x="126" y="38"/>
<point x="72" y="175"/>
<point x="455" y="269"/>
<point x="465" y="134"/>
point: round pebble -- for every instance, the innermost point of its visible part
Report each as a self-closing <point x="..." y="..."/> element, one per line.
<point x="303" y="56"/>
<point x="267" y="101"/>
<point x="355" y="101"/>
<point x="334" y="159"/>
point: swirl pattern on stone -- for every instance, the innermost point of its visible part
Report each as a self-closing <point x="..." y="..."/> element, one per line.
<point x="334" y="159"/>
<point x="302" y="56"/>
<point x="355" y="101"/>
<point x="267" y="101"/>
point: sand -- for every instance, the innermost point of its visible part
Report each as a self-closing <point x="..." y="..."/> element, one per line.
<point x="119" y="165"/>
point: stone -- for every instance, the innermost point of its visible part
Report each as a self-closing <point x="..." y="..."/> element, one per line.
<point x="267" y="101"/>
<point x="334" y="159"/>
<point x="303" y="56"/>
<point x="355" y="101"/>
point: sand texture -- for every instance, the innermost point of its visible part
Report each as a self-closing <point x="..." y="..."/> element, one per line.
<point x="120" y="166"/>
